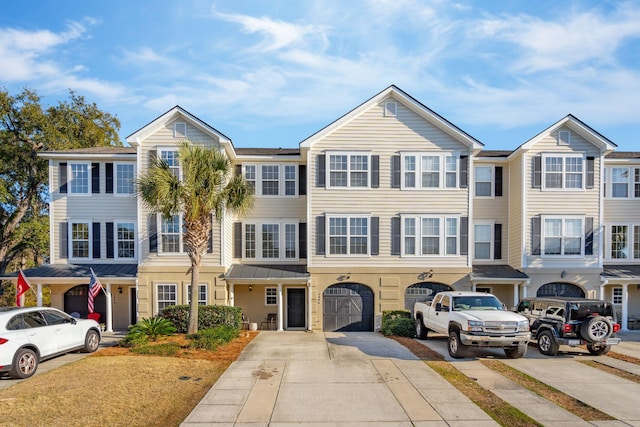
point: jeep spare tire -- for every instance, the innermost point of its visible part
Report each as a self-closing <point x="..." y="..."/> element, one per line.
<point x="596" y="329"/>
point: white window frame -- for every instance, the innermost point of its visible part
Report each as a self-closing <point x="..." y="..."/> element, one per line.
<point x="419" y="235"/>
<point x="348" y="235"/>
<point x="282" y="242"/>
<point x="633" y="241"/>
<point x="633" y="173"/>
<point x="616" y="295"/>
<point x="562" y="236"/>
<point x="166" y="302"/>
<point x="270" y="294"/>
<point x="491" y="181"/>
<point x="89" y="240"/>
<point x="117" y="179"/>
<point x="491" y="225"/>
<point x="179" y="130"/>
<point x="72" y="179"/>
<point x="257" y="179"/>
<point x="116" y="240"/>
<point x="349" y="171"/>
<point x="564" y="173"/>
<point x="564" y="137"/>
<point x="390" y="109"/>
<point x="443" y="171"/>
<point x="201" y="286"/>
<point x="176" y="169"/>
<point x="161" y="234"/>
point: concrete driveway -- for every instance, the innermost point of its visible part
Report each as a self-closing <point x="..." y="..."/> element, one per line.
<point x="332" y="379"/>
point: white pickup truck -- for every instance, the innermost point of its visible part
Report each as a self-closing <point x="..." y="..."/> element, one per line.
<point x="472" y="319"/>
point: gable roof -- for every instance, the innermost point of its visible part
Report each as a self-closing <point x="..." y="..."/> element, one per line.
<point x="176" y="112"/>
<point x="576" y="125"/>
<point x="409" y="102"/>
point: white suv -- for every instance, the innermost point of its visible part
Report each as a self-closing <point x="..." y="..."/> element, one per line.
<point x="32" y="334"/>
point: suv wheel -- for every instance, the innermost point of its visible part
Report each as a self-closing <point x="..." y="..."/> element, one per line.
<point x="516" y="352"/>
<point x="456" y="348"/>
<point x="598" y="350"/>
<point x="421" y="331"/>
<point x="596" y="329"/>
<point x="25" y="364"/>
<point x="547" y="343"/>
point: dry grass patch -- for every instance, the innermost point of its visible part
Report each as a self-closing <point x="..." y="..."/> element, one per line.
<point x="611" y="370"/>
<point x="571" y="404"/>
<point x="624" y="357"/>
<point x="115" y="387"/>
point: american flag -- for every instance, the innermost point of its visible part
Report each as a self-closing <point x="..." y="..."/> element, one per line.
<point x="94" y="289"/>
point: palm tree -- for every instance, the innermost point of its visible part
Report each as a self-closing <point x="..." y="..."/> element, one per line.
<point x="206" y="187"/>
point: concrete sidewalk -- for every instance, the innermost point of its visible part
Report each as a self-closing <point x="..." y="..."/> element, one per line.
<point x="332" y="379"/>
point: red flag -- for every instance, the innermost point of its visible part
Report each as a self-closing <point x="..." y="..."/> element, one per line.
<point x="22" y="287"/>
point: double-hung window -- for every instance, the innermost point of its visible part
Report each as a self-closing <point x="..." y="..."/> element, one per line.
<point x="79" y="178"/>
<point x="622" y="182"/>
<point x="80" y="239"/>
<point x="202" y="294"/>
<point x="429" y="170"/>
<point x="271" y="240"/>
<point x="484" y="181"/>
<point x="272" y="180"/>
<point x="348" y="235"/>
<point x="270" y="296"/>
<point x="349" y="170"/>
<point x="430" y="235"/>
<point x="563" y="171"/>
<point x="170" y="157"/>
<point x="483" y="241"/>
<point x="563" y="236"/>
<point x="126" y="240"/>
<point x="124" y="178"/>
<point x="170" y="229"/>
<point x="623" y="241"/>
<point x="166" y="295"/>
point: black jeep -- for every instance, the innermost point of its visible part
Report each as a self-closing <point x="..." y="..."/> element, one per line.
<point x="556" y="321"/>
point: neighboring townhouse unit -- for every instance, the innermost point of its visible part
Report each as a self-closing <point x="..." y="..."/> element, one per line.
<point x="387" y="205"/>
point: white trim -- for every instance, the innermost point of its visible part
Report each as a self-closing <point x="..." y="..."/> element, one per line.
<point x="258" y="180"/>
<point x="442" y="169"/>
<point x="70" y="239"/>
<point x="266" y="296"/>
<point x="206" y="293"/>
<point x="115" y="239"/>
<point x="492" y="181"/>
<point x="348" y="171"/>
<point x="563" y="172"/>
<point x="157" y="299"/>
<point x="115" y="179"/>
<point x="390" y="109"/>
<point x="491" y="224"/>
<point x="564" y="137"/>
<point x="348" y="236"/>
<point x="179" y="130"/>
<point x="442" y="235"/>
<point x="563" y="218"/>
<point x="282" y="238"/>
<point x="70" y="179"/>
<point x="608" y="236"/>
<point x="161" y="251"/>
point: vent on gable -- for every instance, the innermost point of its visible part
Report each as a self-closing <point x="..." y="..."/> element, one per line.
<point x="564" y="137"/>
<point x="179" y="130"/>
<point x="390" y="109"/>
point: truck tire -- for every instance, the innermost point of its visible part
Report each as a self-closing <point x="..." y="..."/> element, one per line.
<point x="547" y="343"/>
<point x="516" y="352"/>
<point x="597" y="349"/>
<point x="596" y="329"/>
<point x="421" y="330"/>
<point x="456" y="348"/>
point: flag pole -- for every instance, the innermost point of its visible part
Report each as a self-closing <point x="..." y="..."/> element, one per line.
<point x="101" y="287"/>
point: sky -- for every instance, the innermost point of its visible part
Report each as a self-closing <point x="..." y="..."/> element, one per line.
<point x="271" y="73"/>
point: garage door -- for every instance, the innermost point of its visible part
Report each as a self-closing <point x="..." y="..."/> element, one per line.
<point x="421" y="292"/>
<point x="347" y="307"/>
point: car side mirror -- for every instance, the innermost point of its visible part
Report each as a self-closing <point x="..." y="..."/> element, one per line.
<point x="438" y="306"/>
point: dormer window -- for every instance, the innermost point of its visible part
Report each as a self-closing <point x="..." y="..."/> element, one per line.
<point x="179" y="130"/>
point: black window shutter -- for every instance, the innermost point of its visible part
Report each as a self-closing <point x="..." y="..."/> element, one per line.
<point x="110" y="240"/>
<point x="95" y="178"/>
<point x="62" y="169"/>
<point x="498" y="182"/>
<point x="537" y="172"/>
<point x="395" y="172"/>
<point x="96" y="239"/>
<point x="153" y="233"/>
<point x="535" y="235"/>
<point x="238" y="170"/>
<point x="237" y="240"/>
<point x="302" y="239"/>
<point x="375" y="235"/>
<point x="497" y="241"/>
<point x="464" y="235"/>
<point x="591" y="163"/>
<point x="320" y="170"/>
<point x="464" y="172"/>
<point x="302" y="180"/>
<point x="108" y="181"/>
<point x="588" y="237"/>
<point x="64" y="240"/>
<point x="375" y="171"/>
<point x="210" y="240"/>
<point x="395" y="235"/>
<point x="320" y="235"/>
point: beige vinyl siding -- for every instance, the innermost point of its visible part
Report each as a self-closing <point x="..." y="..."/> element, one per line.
<point x="622" y="210"/>
<point x="563" y="202"/>
<point x="515" y="237"/>
<point x="492" y="209"/>
<point x="385" y="137"/>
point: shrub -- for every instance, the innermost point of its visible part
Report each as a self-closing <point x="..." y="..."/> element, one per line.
<point x="148" y="329"/>
<point x="209" y="316"/>
<point x="397" y="322"/>
<point x="211" y="339"/>
<point x="164" y="349"/>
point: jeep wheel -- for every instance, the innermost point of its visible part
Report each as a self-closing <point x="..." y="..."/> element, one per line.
<point x="516" y="352"/>
<point x="596" y="329"/>
<point x="456" y="348"/>
<point x="421" y="331"/>
<point x="547" y="343"/>
<point x="598" y="350"/>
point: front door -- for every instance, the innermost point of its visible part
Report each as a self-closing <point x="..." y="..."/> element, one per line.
<point x="295" y="308"/>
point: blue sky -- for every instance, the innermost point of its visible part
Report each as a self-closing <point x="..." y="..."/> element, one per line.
<point x="271" y="73"/>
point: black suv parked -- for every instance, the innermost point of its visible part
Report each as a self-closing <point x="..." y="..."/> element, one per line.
<point x="559" y="321"/>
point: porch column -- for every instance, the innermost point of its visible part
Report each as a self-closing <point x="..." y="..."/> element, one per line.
<point x="516" y="294"/>
<point x="109" y="320"/>
<point x="232" y="295"/>
<point x="473" y="287"/>
<point x="525" y="286"/>
<point x="603" y="283"/>
<point x="624" y="323"/>
<point x="280" y="310"/>
<point x="309" y="305"/>
<point x="39" y="294"/>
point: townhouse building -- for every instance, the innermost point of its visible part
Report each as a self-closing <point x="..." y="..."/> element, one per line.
<point x="388" y="204"/>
